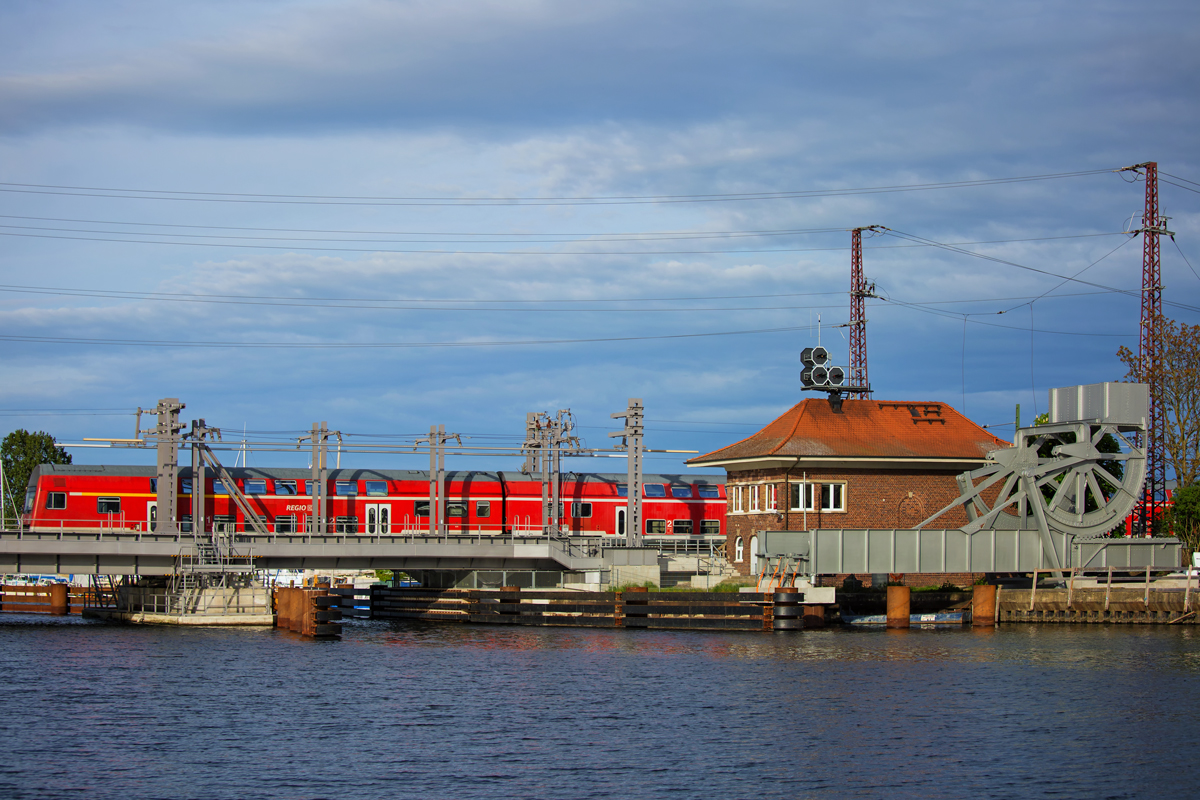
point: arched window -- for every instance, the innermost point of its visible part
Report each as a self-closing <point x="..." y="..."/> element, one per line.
<point x="739" y="550"/>
<point x="753" y="555"/>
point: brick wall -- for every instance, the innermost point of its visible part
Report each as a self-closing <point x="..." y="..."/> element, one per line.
<point x="899" y="498"/>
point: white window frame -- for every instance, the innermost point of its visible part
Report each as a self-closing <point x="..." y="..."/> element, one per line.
<point x="805" y="494"/>
<point x="772" y="499"/>
<point x="831" y="492"/>
<point x="753" y="498"/>
<point x="739" y="549"/>
<point x="739" y="498"/>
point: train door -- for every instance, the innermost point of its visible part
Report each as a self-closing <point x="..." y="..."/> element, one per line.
<point x="621" y="521"/>
<point x="151" y="516"/>
<point x="379" y="518"/>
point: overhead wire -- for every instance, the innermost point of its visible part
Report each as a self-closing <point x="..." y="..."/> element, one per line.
<point x="296" y="199"/>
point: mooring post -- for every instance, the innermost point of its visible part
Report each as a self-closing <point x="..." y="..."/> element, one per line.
<point x="983" y="607"/>
<point x="898" y="606"/>
<point x="58" y="599"/>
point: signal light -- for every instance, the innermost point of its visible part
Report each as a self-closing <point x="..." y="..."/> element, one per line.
<point x="814" y="356"/>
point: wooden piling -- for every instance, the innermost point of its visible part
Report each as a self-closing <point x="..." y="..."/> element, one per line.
<point x="58" y="599"/>
<point x="898" y="606"/>
<point x="983" y="607"/>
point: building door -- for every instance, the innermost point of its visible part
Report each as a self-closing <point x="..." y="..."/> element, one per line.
<point x="151" y="516"/>
<point x="621" y="521"/>
<point x="379" y="519"/>
<point x="753" y="555"/>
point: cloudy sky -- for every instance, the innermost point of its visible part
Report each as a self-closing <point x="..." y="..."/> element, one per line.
<point x="389" y="215"/>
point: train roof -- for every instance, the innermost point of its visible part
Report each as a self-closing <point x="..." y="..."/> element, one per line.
<point x="292" y="473"/>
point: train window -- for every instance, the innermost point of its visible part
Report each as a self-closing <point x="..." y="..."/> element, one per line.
<point x="710" y="527"/>
<point x="56" y="500"/>
<point x="285" y="524"/>
<point x="254" y="487"/>
<point x="421" y="508"/>
<point x="345" y="524"/>
<point x="185" y="485"/>
<point x="219" y="487"/>
<point x="656" y="527"/>
<point x="654" y="490"/>
<point x="154" y="485"/>
<point x="483" y="508"/>
<point x="185" y="523"/>
<point x="456" y="509"/>
<point x="622" y="491"/>
<point x="249" y="526"/>
<point x="30" y="495"/>
<point x="108" y="505"/>
<point x="376" y="488"/>
<point x="224" y="523"/>
<point x="285" y="487"/>
<point x="344" y="488"/>
<point x="681" y="491"/>
<point x="682" y="527"/>
<point x="709" y="492"/>
<point x="581" y="510"/>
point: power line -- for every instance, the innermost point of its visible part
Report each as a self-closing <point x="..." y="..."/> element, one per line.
<point x="295" y="199"/>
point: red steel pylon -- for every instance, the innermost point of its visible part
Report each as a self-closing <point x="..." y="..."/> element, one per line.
<point x="1150" y="352"/>
<point x="859" y="292"/>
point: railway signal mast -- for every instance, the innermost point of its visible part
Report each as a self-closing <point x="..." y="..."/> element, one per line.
<point x="1150" y="350"/>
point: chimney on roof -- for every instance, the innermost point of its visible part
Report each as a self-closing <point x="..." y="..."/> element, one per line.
<point x="835" y="402"/>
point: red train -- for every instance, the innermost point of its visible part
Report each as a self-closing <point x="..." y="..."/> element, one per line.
<point x="371" y="502"/>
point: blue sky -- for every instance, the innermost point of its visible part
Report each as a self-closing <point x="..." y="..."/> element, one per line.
<point x="582" y="182"/>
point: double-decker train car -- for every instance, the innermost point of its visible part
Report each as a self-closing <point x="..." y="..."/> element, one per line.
<point x="371" y="502"/>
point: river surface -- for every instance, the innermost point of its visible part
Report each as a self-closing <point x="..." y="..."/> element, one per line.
<point x="97" y="710"/>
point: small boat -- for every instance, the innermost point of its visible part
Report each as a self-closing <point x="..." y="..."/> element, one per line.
<point x="940" y="618"/>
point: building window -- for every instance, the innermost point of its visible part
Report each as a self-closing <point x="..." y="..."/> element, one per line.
<point x="753" y="492"/>
<point x="285" y="487"/>
<point x="254" y="487"/>
<point x="108" y="505"/>
<point x="833" y="497"/>
<point x="738" y="498"/>
<point x="285" y="524"/>
<point x="483" y="508"/>
<point x="376" y="488"/>
<point x="345" y="488"/>
<point x="56" y="501"/>
<point x="709" y="492"/>
<point x="739" y="550"/>
<point x="801" y="497"/>
<point x="710" y="527"/>
<point x="682" y="527"/>
<point x="581" y="510"/>
<point x="682" y="492"/>
<point x="656" y="527"/>
<point x="654" y="490"/>
<point x="772" y="500"/>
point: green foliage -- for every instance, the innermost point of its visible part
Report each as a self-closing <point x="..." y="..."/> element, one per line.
<point x="383" y="575"/>
<point x="1185" y="517"/>
<point x="21" y="451"/>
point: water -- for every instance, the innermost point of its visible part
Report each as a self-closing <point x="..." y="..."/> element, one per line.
<point x="421" y="710"/>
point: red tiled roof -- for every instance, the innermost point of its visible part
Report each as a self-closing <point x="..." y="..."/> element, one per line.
<point x="864" y="429"/>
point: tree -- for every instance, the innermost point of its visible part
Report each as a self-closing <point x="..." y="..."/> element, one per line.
<point x="1185" y="518"/>
<point x="1176" y="385"/>
<point x="21" y="451"/>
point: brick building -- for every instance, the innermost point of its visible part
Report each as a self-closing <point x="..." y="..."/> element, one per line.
<point x="869" y="464"/>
